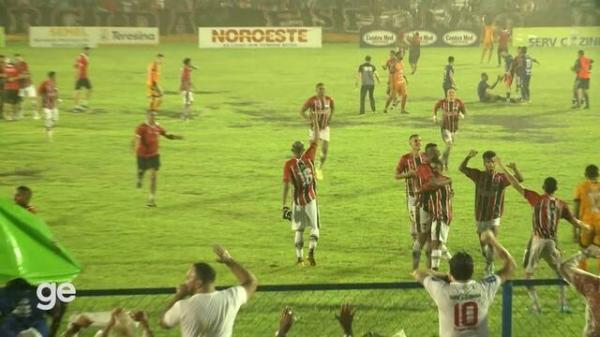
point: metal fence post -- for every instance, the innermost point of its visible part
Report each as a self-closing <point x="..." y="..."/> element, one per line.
<point x="507" y="294"/>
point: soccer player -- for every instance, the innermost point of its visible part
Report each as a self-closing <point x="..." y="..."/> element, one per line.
<point x="300" y="172"/>
<point x="389" y="66"/>
<point x="49" y="101"/>
<point x="547" y="212"/>
<point x="398" y="87"/>
<point x="27" y="88"/>
<point x="587" y="285"/>
<point x="367" y="74"/>
<point x="484" y="90"/>
<point x="155" y="92"/>
<point x="489" y="197"/>
<point x="525" y="75"/>
<point x="449" y="76"/>
<point x="429" y="182"/>
<point x="186" y="87"/>
<point x="509" y="74"/>
<point x="582" y="67"/>
<point x="22" y="198"/>
<point x="11" y="91"/>
<point x="414" y="51"/>
<point x="82" y="80"/>
<point x="440" y="209"/>
<point x="587" y="208"/>
<point x="487" y="40"/>
<point x="146" y="148"/>
<point x="503" y="40"/>
<point x="462" y="302"/>
<point x="453" y="109"/>
<point x="322" y="107"/>
<point x="407" y="171"/>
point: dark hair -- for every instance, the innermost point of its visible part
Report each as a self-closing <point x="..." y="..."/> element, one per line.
<point x="86" y="48"/>
<point x="2" y="56"/>
<point x="413" y="136"/>
<point x="461" y="266"/>
<point x="591" y="171"/>
<point x="205" y="273"/>
<point x="524" y="50"/>
<point x="187" y="60"/>
<point x="399" y="55"/>
<point x="484" y="74"/>
<point x="17" y="54"/>
<point x="160" y="55"/>
<point x="24" y="189"/>
<point x="320" y="84"/>
<point x="488" y="155"/>
<point x="450" y="59"/>
<point x="580" y="52"/>
<point x="367" y="58"/>
<point x="298" y="147"/>
<point x="51" y="73"/>
<point x="429" y="146"/>
<point x="393" y="52"/>
<point x="550" y="185"/>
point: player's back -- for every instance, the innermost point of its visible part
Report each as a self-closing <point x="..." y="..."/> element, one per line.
<point x="588" y="193"/>
<point x="463" y="306"/>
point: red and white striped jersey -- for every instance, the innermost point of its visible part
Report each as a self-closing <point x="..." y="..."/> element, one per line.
<point x="410" y="162"/>
<point x="440" y="204"/>
<point x="49" y="94"/>
<point x="300" y="172"/>
<point x="452" y="109"/>
<point x="323" y="107"/>
<point x="547" y="212"/>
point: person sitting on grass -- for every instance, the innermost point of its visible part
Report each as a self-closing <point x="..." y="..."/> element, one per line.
<point x="484" y="90"/>
<point x="120" y="324"/>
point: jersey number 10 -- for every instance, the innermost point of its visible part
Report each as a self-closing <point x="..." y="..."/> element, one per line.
<point x="465" y="314"/>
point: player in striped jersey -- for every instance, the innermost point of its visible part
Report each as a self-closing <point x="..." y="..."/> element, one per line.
<point x="440" y="209"/>
<point x="407" y="170"/>
<point x="489" y="197"/>
<point x="322" y="108"/>
<point x="186" y="87"/>
<point x="547" y="212"/>
<point x="300" y="172"/>
<point x="453" y="109"/>
<point x="48" y="93"/>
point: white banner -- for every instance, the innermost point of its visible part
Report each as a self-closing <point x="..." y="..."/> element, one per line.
<point x="77" y="37"/>
<point x="128" y="35"/>
<point x="62" y="37"/>
<point x="259" y="37"/>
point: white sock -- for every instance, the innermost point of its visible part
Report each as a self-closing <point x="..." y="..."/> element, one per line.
<point x="436" y="255"/>
<point x="299" y="244"/>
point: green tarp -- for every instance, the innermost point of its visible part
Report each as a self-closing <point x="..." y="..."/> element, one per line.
<point x="29" y="250"/>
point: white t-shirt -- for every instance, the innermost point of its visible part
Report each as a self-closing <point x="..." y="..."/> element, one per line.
<point x="463" y="306"/>
<point x="207" y="315"/>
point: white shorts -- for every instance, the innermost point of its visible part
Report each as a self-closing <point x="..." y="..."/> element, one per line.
<point x="412" y="213"/>
<point x="439" y="231"/>
<point x="448" y="136"/>
<point x="541" y="249"/>
<point x="306" y="216"/>
<point x="31" y="332"/>
<point x="50" y="117"/>
<point x="323" y="134"/>
<point x="188" y="97"/>
<point x="485" y="225"/>
<point x="28" y="91"/>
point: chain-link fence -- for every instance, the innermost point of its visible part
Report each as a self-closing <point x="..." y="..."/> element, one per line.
<point x="384" y="308"/>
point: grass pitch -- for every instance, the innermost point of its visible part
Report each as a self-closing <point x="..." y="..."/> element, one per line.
<point x="223" y="182"/>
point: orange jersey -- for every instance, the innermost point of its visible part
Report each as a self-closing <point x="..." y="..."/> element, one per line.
<point x="488" y="34"/>
<point x="399" y="73"/>
<point x="153" y="73"/>
<point x="588" y="194"/>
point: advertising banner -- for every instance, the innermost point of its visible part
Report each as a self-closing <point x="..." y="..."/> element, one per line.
<point x="451" y="38"/>
<point x="259" y="37"/>
<point x="77" y="37"/>
<point x="373" y="37"/>
<point x="557" y="37"/>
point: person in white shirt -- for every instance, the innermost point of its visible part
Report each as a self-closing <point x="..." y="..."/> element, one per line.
<point x="463" y="302"/>
<point x="199" y="309"/>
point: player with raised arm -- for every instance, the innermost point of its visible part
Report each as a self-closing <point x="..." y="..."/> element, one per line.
<point x="398" y="86"/>
<point x="321" y="108"/>
<point x="587" y="285"/>
<point x="462" y="302"/>
<point x="155" y="92"/>
<point x="49" y="102"/>
<point x="146" y="149"/>
<point x="453" y="109"/>
<point x="407" y="171"/>
<point x="587" y="208"/>
<point x="583" y="71"/>
<point x="448" y="82"/>
<point x="547" y="212"/>
<point x="489" y="197"/>
<point x="186" y="87"/>
<point x="82" y="80"/>
<point x="300" y="172"/>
